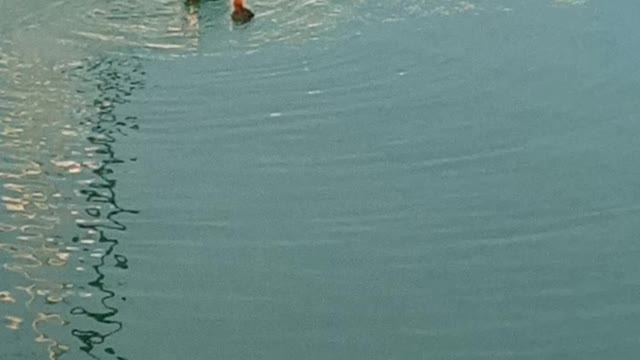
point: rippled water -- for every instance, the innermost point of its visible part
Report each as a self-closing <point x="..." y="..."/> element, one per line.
<point x="416" y="179"/>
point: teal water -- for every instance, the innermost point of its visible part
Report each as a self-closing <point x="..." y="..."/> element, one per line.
<point x="419" y="179"/>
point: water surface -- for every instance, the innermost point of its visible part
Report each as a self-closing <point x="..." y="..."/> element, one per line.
<point x="420" y="179"/>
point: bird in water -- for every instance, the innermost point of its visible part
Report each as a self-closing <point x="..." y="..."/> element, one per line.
<point x="240" y="14"/>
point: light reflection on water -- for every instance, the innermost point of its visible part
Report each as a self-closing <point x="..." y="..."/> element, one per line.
<point x="61" y="213"/>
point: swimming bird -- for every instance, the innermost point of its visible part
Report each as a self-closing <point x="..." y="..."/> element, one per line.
<point x="240" y="14"/>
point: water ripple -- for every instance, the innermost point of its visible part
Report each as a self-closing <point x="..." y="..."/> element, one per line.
<point x="57" y="191"/>
<point x="66" y="66"/>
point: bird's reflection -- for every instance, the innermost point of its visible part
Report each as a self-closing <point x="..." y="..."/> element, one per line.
<point x="192" y="21"/>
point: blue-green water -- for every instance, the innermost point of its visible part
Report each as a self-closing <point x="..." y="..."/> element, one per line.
<point x="419" y="179"/>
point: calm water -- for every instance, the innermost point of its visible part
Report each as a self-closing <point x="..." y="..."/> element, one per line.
<point x="364" y="179"/>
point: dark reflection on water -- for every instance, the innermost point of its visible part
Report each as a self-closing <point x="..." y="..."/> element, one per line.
<point x="114" y="80"/>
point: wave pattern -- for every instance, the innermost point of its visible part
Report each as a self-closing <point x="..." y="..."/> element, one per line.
<point x="58" y="127"/>
<point x="296" y="21"/>
<point x="35" y="137"/>
<point x="60" y="204"/>
<point x="399" y="10"/>
<point x="157" y="25"/>
<point x="59" y="211"/>
<point x="65" y="68"/>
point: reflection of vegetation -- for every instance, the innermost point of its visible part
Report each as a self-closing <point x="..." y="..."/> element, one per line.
<point x="113" y="80"/>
